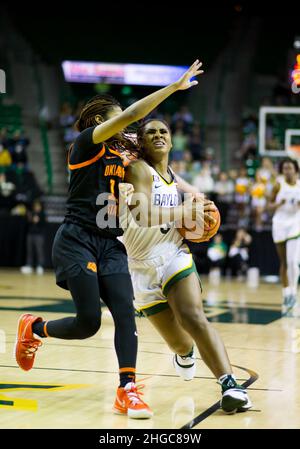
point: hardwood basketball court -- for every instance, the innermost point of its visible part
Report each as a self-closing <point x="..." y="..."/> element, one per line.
<point x="73" y="383"/>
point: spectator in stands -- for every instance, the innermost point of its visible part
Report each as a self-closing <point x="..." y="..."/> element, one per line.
<point x="27" y="188"/>
<point x="184" y="115"/>
<point x="249" y="146"/>
<point x="35" y="239"/>
<point x="5" y="158"/>
<point x="217" y="254"/>
<point x="3" y="137"/>
<point x="204" y="181"/>
<point x="66" y="120"/>
<point x="183" y="170"/>
<point x="224" y="189"/>
<point x="258" y="201"/>
<point x="70" y="135"/>
<point x="211" y="161"/>
<point x="66" y="117"/>
<point x="7" y="190"/>
<point x="239" y="253"/>
<point x="242" y="187"/>
<point x="233" y="175"/>
<point x="249" y="143"/>
<point x="180" y="140"/>
<point x="195" y="143"/>
<point x="195" y="168"/>
<point x="250" y="124"/>
<point x="187" y="157"/>
<point x="18" y="148"/>
<point x="272" y="141"/>
<point x="268" y="174"/>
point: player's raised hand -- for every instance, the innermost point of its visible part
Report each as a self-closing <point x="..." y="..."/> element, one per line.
<point x="185" y="81"/>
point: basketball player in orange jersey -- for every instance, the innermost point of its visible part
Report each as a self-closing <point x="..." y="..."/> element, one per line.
<point x="88" y="258"/>
<point x="166" y="286"/>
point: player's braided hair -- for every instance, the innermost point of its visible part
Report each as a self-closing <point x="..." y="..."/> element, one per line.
<point x="101" y="105"/>
<point x="97" y="105"/>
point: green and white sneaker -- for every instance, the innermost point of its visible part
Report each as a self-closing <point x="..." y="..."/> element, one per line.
<point x="289" y="302"/>
<point x="234" y="397"/>
<point x="185" y="365"/>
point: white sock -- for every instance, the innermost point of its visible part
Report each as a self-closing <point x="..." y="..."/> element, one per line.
<point x="292" y="257"/>
<point x="224" y="376"/>
<point x="286" y="291"/>
<point x="189" y="354"/>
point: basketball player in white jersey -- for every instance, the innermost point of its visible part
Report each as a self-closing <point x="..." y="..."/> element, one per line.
<point x="285" y="202"/>
<point x="166" y="285"/>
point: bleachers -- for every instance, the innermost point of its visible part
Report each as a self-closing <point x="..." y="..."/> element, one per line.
<point x="10" y="117"/>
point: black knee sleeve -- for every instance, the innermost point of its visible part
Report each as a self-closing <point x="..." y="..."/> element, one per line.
<point x="85" y="292"/>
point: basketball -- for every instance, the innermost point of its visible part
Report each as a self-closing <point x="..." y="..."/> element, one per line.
<point x="190" y="233"/>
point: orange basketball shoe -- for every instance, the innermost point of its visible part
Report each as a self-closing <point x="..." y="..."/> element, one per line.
<point x="26" y="345"/>
<point x="128" y="402"/>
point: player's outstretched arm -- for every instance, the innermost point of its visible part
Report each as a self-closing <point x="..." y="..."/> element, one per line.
<point x="143" y="107"/>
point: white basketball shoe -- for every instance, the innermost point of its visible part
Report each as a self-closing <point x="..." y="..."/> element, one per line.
<point x="185" y="365"/>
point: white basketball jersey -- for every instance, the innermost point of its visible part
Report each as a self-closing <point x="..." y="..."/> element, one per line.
<point x="149" y="242"/>
<point x="290" y="210"/>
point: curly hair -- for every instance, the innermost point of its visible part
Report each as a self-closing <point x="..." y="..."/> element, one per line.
<point x="288" y="160"/>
